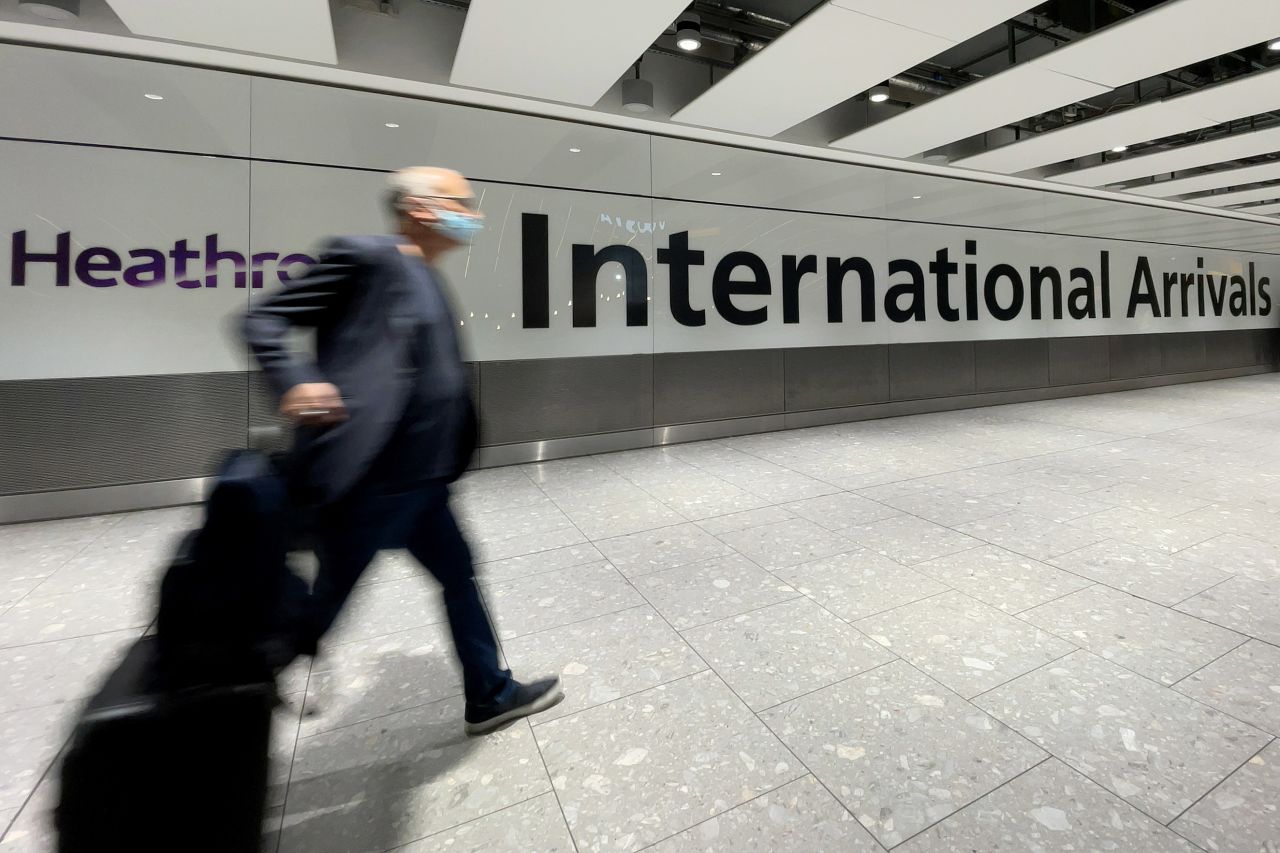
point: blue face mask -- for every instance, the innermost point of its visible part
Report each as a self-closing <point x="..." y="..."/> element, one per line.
<point x="458" y="227"/>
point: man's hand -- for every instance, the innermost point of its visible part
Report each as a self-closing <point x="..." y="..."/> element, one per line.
<point x="313" y="403"/>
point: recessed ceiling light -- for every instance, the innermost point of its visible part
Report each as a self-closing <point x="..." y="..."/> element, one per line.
<point x="879" y="94"/>
<point x="575" y="150"/>
<point x="689" y="32"/>
<point x="716" y="174"/>
<point x="391" y="124"/>
<point x="917" y="197"/>
<point x="151" y="97"/>
<point x="53" y="10"/>
<point x="1120" y="149"/>
<point x="1275" y="45"/>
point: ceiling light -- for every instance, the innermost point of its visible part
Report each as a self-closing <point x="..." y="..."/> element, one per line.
<point x="151" y="97"/>
<point x="1120" y="149"/>
<point x="917" y="197"/>
<point x="391" y="124"/>
<point x="936" y="158"/>
<point x="54" y="10"/>
<point x="1275" y="45"/>
<point x="575" y="150"/>
<point x="879" y="94"/>
<point x="716" y="174"/>
<point x="689" y="32"/>
<point x="637" y="95"/>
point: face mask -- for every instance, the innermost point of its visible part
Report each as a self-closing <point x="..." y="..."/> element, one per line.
<point x="458" y="227"/>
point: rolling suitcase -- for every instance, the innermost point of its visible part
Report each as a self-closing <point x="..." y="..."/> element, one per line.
<point x="149" y="771"/>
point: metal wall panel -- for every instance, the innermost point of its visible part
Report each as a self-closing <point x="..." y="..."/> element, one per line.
<point x="1235" y="348"/>
<point x="105" y="431"/>
<point x="831" y="377"/>
<point x="1010" y="365"/>
<point x="931" y="370"/>
<point x="1182" y="352"/>
<point x="1075" y="361"/>
<point x="689" y="387"/>
<point x="554" y="398"/>
<point x="1135" y="355"/>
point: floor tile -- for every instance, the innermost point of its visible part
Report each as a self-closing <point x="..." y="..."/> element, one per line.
<point x="775" y="654"/>
<point x="1151" y="746"/>
<point x="60" y="671"/>
<point x="370" y="787"/>
<point x="558" y="598"/>
<point x="1244" y="683"/>
<point x="965" y="644"/>
<point x="606" y="522"/>
<point x="1030" y="535"/>
<point x="799" y="817"/>
<point x="860" y="583"/>
<point x="387" y="566"/>
<point x="13" y="591"/>
<point x="1241" y="604"/>
<point x="6" y="818"/>
<point x="602" y="659"/>
<point x="358" y="681"/>
<point x="1145" y="529"/>
<point x="29" y="742"/>
<point x="667" y="548"/>
<point x="1157" y="642"/>
<point x="899" y="749"/>
<point x="1049" y="503"/>
<point x="643" y="768"/>
<point x="910" y="540"/>
<point x="1146" y="499"/>
<point x="32" y="829"/>
<point x="841" y="510"/>
<point x="491" y="550"/>
<point x="513" y="568"/>
<point x="946" y="506"/>
<point x="285" y="725"/>
<point x="714" y="589"/>
<point x="698" y="499"/>
<point x="1153" y="575"/>
<point x="1049" y="809"/>
<point x="134" y="562"/>
<point x="787" y="543"/>
<point x="1002" y="578"/>
<point x="736" y="521"/>
<point x="41" y="619"/>
<point x="1237" y="555"/>
<point x="1242" y="815"/>
<point x="30" y="566"/>
<point x="388" y="608"/>
<point x="534" y="825"/>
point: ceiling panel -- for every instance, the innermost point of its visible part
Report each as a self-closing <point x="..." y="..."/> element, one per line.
<point x="559" y="50"/>
<point x="996" y="101"/>
<point x="1239" y="197"/>
<point x="1234" y="147"/>
<point x="1139" y="47"/>
<point x="1244" y="96"/>
<point x="298" y="29"/>
<point x="833" y="54"/>
<point x="1211" y="181"/>
<point x="1161" y="39"/>
<point x="1262" y="209"/>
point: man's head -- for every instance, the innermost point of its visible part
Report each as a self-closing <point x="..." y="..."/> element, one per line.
<point x="433" y="206"/>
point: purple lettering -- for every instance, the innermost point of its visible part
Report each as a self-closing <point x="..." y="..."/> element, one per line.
<point x="181" y="254"/>
<point x="97" y="259"/>
<point x="214" y="256"/>
<point x="289" y="260"/>
<point x="259" y="258"/>
<point x="21" y="257"/>
<point x="153" y="267"/>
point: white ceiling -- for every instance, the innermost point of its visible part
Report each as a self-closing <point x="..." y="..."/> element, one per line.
<point x="842" y="48"/>
<point x="1263" y="209"/>
<point x="559" y="50"/>
<point x="1228" y="148"/>
<point x="1136" y="48"/>
<point x="1270" y="193"/>
<point x="1211" y="181"/>
<point x="298" y="29"/>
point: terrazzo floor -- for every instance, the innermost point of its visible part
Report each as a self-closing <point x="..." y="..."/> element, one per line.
<point x="1044" y="627"/>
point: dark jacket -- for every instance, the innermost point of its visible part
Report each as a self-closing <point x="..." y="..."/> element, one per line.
<point x="356" y="299"/>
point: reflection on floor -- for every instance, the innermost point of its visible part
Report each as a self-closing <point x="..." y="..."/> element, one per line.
<point x="1052" y="626"/>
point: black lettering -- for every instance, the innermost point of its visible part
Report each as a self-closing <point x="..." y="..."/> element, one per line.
<point x="1186" y="281"/>
<point x="1170" y="282"/>
<point x="1105" y="283"/>
<point x="1240" y="296"/>
<point x="1039" y="275"/>
<point x="914" y="288"/>
<point x="1217" y="293"/>
<point x="587" y="263"/>
<point x="680" y="257"/>
<point x="836" y="271"/>
<point x="1264" y="296"/>
<point x="793" y="270"/>
<point x="942" y="269"/>
<point x="1253" y="290"/>
<point x="1143" y="291"/>
<point x="971" y="282"/>
<point x="1014" y="307"/>
<point x="724" y="288"/>
<point x="535" y="271"/>
<point x="1082" y="302"/>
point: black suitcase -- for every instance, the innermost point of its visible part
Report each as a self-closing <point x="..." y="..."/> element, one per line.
<point x="166" y="771"/>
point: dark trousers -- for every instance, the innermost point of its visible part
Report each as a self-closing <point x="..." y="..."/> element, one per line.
<point x="354" y="530"/>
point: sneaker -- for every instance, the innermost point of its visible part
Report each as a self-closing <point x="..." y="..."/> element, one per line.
<point x="526" y="700"/>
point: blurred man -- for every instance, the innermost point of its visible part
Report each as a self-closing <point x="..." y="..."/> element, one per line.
<point x="385" y="421"/>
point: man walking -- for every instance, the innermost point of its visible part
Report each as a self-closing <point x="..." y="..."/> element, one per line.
<point x="385" y="421"/>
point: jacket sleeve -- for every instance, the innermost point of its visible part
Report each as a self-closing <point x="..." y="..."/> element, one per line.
<point x="307" y="302"/>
